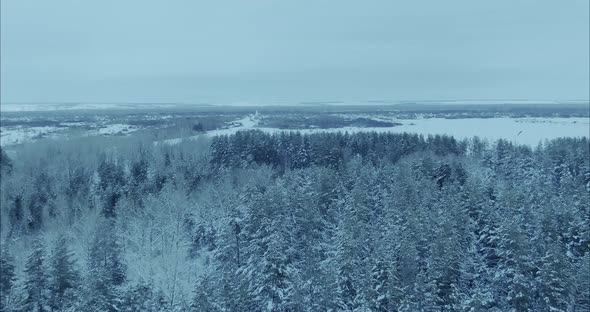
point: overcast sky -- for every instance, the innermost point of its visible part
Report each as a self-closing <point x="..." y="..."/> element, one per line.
<point x="290" y="51"/>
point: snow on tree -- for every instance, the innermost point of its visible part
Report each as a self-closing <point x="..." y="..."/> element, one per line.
<point x="65" y="280"/>
<point x="7" y="275"/>
<point x="36" y="280"/>
<point x="297" y="222"/>
<point x="107" y="269"/>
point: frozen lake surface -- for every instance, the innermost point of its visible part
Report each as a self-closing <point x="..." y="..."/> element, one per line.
<point x="529" y="131"/>
<point x="490" y="123"/>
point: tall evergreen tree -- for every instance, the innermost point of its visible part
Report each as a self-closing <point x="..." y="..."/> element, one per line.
<point x="553" y="280"/>
<point x="381" y="287"/>
<point x="141" y="297"/>
<point x="230" y="261"/>
<point x="107" y="269"/>
<point x="204" y="299"/>
<point x="269" y="265"/>
<point x="65" y="279"/>
<point x="6" y="164"/>
<point x="581" y="287"/>
<point x="111" y="186"/>
<point x="7" y="275"/>
<point x="36" y="280"/>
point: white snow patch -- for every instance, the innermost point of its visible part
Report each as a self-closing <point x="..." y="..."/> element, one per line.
<point x="247" y="123"/>
<point x="529" y="131"/>
<point x="375" y="117"/>
<point x="20" y="134"/>
<point x="115" y="129"/>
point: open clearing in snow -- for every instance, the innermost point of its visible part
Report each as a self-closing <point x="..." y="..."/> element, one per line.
<point x="529" y="131"/>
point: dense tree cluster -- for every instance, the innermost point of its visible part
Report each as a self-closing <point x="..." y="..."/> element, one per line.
<point x="293" y="150"/>
<point x="292" y="222"/>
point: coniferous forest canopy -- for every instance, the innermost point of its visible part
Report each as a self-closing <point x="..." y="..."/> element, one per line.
<point x="290" y="222"/>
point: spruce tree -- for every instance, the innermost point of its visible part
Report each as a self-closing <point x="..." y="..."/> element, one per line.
<point x="107" y="269"/>
<point x="7" y="275"/>
<point x="65" y="277"/>
<point x="5" y="163"/>
<point x="553" y="280"/>
<point x="381" y="287"/>
<point x="141" y="297"/>
<point x="581" y="281"/>
<point x="230" y="261"/>
<point x="204" y="299"/>
<point x="36" y="281"/>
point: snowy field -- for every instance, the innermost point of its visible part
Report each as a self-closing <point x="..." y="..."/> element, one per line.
<point x="17" y="135"/>
<point x="525" y="122"/>
<point x="529" y="131"/>
<point x="20" y="134"/>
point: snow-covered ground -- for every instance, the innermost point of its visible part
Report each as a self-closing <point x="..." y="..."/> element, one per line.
<point x="247" y="123"/>
<point x="115" y="129"/>
<point x="529" y="131"/>
<point x="21" y="134"/>
<point x="17" y="135"/>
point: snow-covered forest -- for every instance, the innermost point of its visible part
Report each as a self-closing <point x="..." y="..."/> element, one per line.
<point x="290" y="222"/>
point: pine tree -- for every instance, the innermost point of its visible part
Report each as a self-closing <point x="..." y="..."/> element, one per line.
<point x="423" y="295"/>
<point x="269" y="265"/>
<point x="381" y="296"/>
<point x="65" y="277"/>
<point x="138" y="181"/>
<point x="347" y="292"/>
<point x="347" y="285"/>
<point x="204" y="299"/>
<point x="7" y="275"/>
<point x="36" y="281"/>
<point x="16" y="214"/>
<point x="473" y="290"/>
<point x="272" y="273"/>
<point x="357" y="240"/>
<point x="230" y="261"/>
<point x="111" y="186"/>
<point x="6" y="164"/>
<point x="581" y="280"/>
<point x="107" y="269"/>
<point x="553" y="280"/>
<point x="141" y="297"/>
<point x="305" y="227"/>
<point x="513" y="279"/>
<point x="277" y="275"/>
<point x="446" y="250"/>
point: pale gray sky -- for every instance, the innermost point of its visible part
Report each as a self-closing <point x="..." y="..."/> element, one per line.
<point x="289" y="51"/>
